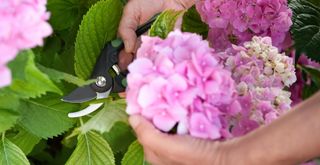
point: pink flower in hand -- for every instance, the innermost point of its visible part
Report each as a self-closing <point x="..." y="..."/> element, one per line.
<point x="179" y="82"/>
<point x="23" y="25"/>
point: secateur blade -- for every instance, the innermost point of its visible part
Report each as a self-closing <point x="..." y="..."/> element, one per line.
<point x="91" y="108"/>
<point x="81" y="95"/>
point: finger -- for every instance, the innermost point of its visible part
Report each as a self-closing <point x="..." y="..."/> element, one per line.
<point x="123" y="94"/>
<point x="151" y="157"/>
<point x="124" y="60"/>
<point x="157" y="159"/>
<point x="151" y="137"/>
<point x="138" y="44"/>
<point x="128" y="24"/>
<point x="141" y="126"/>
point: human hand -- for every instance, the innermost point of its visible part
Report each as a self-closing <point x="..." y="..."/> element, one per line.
<point x="166" y="149"/>
<point x="137" y="12"/>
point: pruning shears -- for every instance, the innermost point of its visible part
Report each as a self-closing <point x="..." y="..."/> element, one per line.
<point x="105" y="82"/>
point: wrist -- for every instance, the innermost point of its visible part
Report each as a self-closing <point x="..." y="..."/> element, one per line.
<point x="249" y="150"/>
<point x="237" y="152"/>
<point x="226" y="153"/>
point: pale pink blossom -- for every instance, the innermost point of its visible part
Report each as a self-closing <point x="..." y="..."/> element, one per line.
<point x="179" y="82"/>
<point x="23" y="25"/>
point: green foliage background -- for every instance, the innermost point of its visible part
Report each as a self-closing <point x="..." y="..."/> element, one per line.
<point x="34" y="125"/>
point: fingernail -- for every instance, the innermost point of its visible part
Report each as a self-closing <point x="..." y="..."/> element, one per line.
<point x="134" y="121"/>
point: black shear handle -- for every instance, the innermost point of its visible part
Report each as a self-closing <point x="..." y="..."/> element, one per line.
<point x="146" y="26"/>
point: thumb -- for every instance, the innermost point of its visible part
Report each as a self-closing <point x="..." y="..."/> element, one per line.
<point x="141" y="125"/>
<point x="146" y="133"/>
<point x="152" y="138"/>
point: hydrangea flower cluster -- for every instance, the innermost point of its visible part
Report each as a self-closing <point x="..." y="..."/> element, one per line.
<point x="178" y="82"/>
<point x="238" y="21"/>
<point x="261" y="74"/>
<point x="22" y="25"/>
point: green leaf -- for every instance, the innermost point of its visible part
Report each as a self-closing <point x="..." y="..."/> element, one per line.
<point x="10" y="154"/>
<point x="192" y="23"/>
<point x="47" y="116"/>
<point x="63" y="61"/>
<point x="120" y="137"/>
<point x="306" y="28"/>
<point x="65" y="31"/>
<point x="315" y="2"/>
<point x="70" y="140"/>
<point x="48" y="51"/>
<point x="103" y="121"/>
<point x="8" y="111"/>
<point x="28" y="81"/>
<point x="64" y="13"/>
<point x="313" y="72"/>
<point x="134" y="155"/>
<point x="25" y="140"/>
<point x="124" y="2"/>
<point x="165" y="23"/>
<point x="58" y="76"/>
<point x="309" y="90"/>
<point x="7" y="119"/>
<point x="98" y="26"/>
<point x="91" y="149"/>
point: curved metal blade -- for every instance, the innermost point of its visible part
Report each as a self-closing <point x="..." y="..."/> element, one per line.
<point x="91" y="108"/>
<point x="80" y="95"/>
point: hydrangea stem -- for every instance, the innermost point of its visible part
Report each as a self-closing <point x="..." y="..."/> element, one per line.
<point x="81" y="121"/>
<point x="3" y="136"/>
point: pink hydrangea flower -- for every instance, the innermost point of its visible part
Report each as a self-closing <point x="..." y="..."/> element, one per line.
<point x="179" y="82"/>
<point x="237" y="21"/>
<point x="22" y="26"/>
<point x="261" y="74"/>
